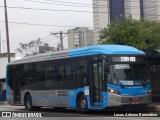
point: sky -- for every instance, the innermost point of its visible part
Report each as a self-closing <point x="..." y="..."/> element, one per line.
<point x="21" y="13"/>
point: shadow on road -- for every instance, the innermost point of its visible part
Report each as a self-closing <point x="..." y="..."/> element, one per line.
<point x="107" y="112"/>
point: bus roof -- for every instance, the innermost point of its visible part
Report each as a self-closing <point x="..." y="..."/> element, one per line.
<point x="85" y="51"/>
<point x="104" y="49"/>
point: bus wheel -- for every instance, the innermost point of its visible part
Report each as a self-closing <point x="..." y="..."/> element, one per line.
<point x="82" y="104"/>
<point x="28" y="103"/>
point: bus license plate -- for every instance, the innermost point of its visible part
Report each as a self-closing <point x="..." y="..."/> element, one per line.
<point x="135" y="102"/>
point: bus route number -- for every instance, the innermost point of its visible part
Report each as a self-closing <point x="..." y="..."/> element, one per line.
<point x="128" y="59"/>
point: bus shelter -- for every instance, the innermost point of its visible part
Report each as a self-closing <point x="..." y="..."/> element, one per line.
<point x="154" y="65"/>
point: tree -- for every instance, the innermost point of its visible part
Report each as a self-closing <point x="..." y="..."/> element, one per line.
<point x="30" y="48"/>
<point x="143" y="35"/>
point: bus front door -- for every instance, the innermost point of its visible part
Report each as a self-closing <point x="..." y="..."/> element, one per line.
<point x="95" y="77"/>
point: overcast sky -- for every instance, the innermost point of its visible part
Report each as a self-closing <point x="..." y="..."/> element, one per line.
<point x="18" y="13"/>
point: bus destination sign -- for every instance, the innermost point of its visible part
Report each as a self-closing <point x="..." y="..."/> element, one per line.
<point x="128" y="59"/>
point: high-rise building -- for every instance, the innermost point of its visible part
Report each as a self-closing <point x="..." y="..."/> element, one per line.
<point x="105" y="11"/>
<point x="80" y="37"/>
<point x="100" y="16"/>
<point x="151" y="9"/>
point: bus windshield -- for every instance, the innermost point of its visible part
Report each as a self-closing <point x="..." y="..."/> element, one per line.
<point x="129" y="74"/>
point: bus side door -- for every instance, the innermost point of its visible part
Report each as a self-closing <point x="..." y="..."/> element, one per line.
<point x="95" y="78"/>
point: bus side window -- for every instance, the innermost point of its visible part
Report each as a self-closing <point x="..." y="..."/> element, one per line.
<point x="69" y="76"/>
<point x="81" y="73"/>
<point x="26" y="73"/>
<point x="49" y="76"/>
<point x="40" y="76"/>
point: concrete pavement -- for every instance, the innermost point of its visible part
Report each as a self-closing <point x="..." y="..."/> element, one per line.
<point x="154" y="106"/>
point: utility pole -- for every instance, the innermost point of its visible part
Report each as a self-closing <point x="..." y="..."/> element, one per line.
<point x="7" y="30"/>
<point x="4" y="45"/>
<point x="0" y="42"/>
<point x="60" y="37"/>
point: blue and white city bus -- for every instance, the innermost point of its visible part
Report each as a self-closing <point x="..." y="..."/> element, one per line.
<point x="89" y="78"/>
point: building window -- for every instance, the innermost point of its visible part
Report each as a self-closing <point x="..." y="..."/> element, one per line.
<point x="116" y="10"/>
<point x="141" y="9"/>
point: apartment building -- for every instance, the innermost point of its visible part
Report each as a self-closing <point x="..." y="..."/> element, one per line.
<point x="80" y="37"/>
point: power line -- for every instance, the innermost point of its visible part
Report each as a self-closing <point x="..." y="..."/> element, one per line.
<point x="60" y="37"/>
<point x="27" y="8"/>
<point x="88" y="4"/>
<point x="85" y="5"/>
<point x="68" y="2"/>
<point x="67" y="10"/>
<point x="33" y="24"/>
<point x="91" y="6"/>
<point x="64" y="4"/>
<point x="47" y="39"/>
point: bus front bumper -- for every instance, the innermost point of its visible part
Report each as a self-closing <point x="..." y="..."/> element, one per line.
<point x="118" y="100"/>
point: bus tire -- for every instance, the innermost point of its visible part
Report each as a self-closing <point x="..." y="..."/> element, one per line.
<point x="28" y="103"/>
<point x="82" y="104"/>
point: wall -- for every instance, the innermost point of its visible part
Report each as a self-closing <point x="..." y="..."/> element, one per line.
<point x="3" y="64"/>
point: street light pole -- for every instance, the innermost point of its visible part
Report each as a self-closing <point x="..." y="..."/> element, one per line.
<point x="7" y="30"/>
<point x="61" y="39"/>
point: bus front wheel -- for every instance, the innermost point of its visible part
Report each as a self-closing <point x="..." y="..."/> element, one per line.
<point x="82" y="104"/>
<point x="28" y="103"/>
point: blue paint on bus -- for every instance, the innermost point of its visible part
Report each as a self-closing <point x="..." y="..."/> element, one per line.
<point x="130" y="90"/>
<point x="105" y="99"/>
<point x="68" y="99"/>
<point x="104" y="49"/>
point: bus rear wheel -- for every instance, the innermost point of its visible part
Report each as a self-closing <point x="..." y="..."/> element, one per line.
<point x="28" y="103"/>
<point x="82" y="104"/>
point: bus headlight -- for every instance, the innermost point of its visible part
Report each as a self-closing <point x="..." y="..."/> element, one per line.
<point x="149" y="91"/>
<point x="111" y="90"/>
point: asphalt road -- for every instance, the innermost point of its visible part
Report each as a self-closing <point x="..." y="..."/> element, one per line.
<point x="17" y="112"/>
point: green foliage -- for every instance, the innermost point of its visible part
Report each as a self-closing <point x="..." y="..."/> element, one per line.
<point x="143" y="35"/>
<point x="30" y="48"/>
